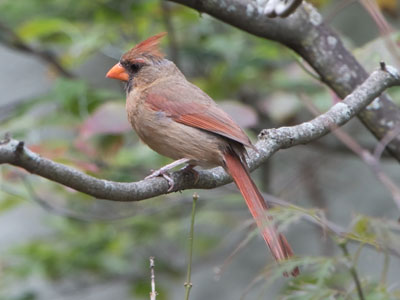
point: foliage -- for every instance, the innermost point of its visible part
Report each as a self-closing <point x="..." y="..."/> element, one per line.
<point x="100" y="241"/>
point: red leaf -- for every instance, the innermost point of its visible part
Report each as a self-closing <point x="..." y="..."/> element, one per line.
<point x="109" y="118"/>
<point x="244" y="115"/>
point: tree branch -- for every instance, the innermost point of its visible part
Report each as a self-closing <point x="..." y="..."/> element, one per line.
<point x="10" y="39"/>
<point x="305" y="32"/>
<point x="270" y="140"/>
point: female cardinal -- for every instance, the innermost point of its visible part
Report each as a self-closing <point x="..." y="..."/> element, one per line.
<point x="177" y="119"/>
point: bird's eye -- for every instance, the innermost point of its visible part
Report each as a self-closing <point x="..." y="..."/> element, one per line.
<point x="135" y="67"/>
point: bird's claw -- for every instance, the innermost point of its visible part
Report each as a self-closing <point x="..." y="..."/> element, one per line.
<point x="165" y="175"/>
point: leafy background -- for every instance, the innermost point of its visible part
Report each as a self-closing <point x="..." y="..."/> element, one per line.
<point x="59" y="244"/>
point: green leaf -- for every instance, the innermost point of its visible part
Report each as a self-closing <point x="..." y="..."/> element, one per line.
<point x="37" y="29"/>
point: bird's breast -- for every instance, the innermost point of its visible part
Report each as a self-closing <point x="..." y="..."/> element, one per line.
<point x="170" y="138"/>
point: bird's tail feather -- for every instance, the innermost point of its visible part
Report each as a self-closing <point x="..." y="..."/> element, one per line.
<point x="278" y="244"/>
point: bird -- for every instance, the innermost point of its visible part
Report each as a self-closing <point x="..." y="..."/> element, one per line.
<point x="178" y="120"/>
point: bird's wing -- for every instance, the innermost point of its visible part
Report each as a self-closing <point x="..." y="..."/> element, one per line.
<point x="191" y="106"/>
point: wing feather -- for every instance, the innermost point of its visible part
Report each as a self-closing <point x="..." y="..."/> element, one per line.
<point x="196" y="109"/>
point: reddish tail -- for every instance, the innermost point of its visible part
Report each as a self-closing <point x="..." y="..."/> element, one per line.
<point x="278" y="244"/>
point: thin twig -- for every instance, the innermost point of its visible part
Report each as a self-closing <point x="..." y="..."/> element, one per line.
<point x="320" y="220"/>
<point x="12" y="40"/>
<point x="384" y="27"/>
<point x="364" y="154"/>
<point x="188" y="284"/>
<point x="385" y="268"/>
<point x="340" y="149"/>
<point x="316" y="196"/>
<point x="352" y="269"/>
<point x="306" y="69"/>
<point x="339" y="6"/>
<point x="380" y="147"/>
<point x="374" y="165"/>
<point x="62" y="210"/>
<point x="244" y="242"/>
<point x="173" y="43"/>
<point x="153" y="293"/>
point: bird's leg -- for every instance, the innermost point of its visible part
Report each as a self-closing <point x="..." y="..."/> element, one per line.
<point x="164" y="171"/>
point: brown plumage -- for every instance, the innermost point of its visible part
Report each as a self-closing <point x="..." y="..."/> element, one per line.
<point x="178" y="120"/>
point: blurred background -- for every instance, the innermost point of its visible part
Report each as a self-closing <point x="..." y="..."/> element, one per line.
<point x="56" y="243"/>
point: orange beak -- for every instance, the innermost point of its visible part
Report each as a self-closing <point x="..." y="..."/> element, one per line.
<point x="118" y="72"/>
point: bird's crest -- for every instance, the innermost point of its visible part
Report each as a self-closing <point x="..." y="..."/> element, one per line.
<point x="148" y="47"/>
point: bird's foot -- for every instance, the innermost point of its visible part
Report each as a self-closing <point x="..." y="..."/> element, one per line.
<point x="165" y="174"/>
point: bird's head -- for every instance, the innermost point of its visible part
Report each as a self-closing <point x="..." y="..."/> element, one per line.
<point x="143" y="64"/>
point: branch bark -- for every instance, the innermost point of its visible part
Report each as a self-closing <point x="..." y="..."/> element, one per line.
<point x="305" y="32"/>
<point x="270" y="140"/>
